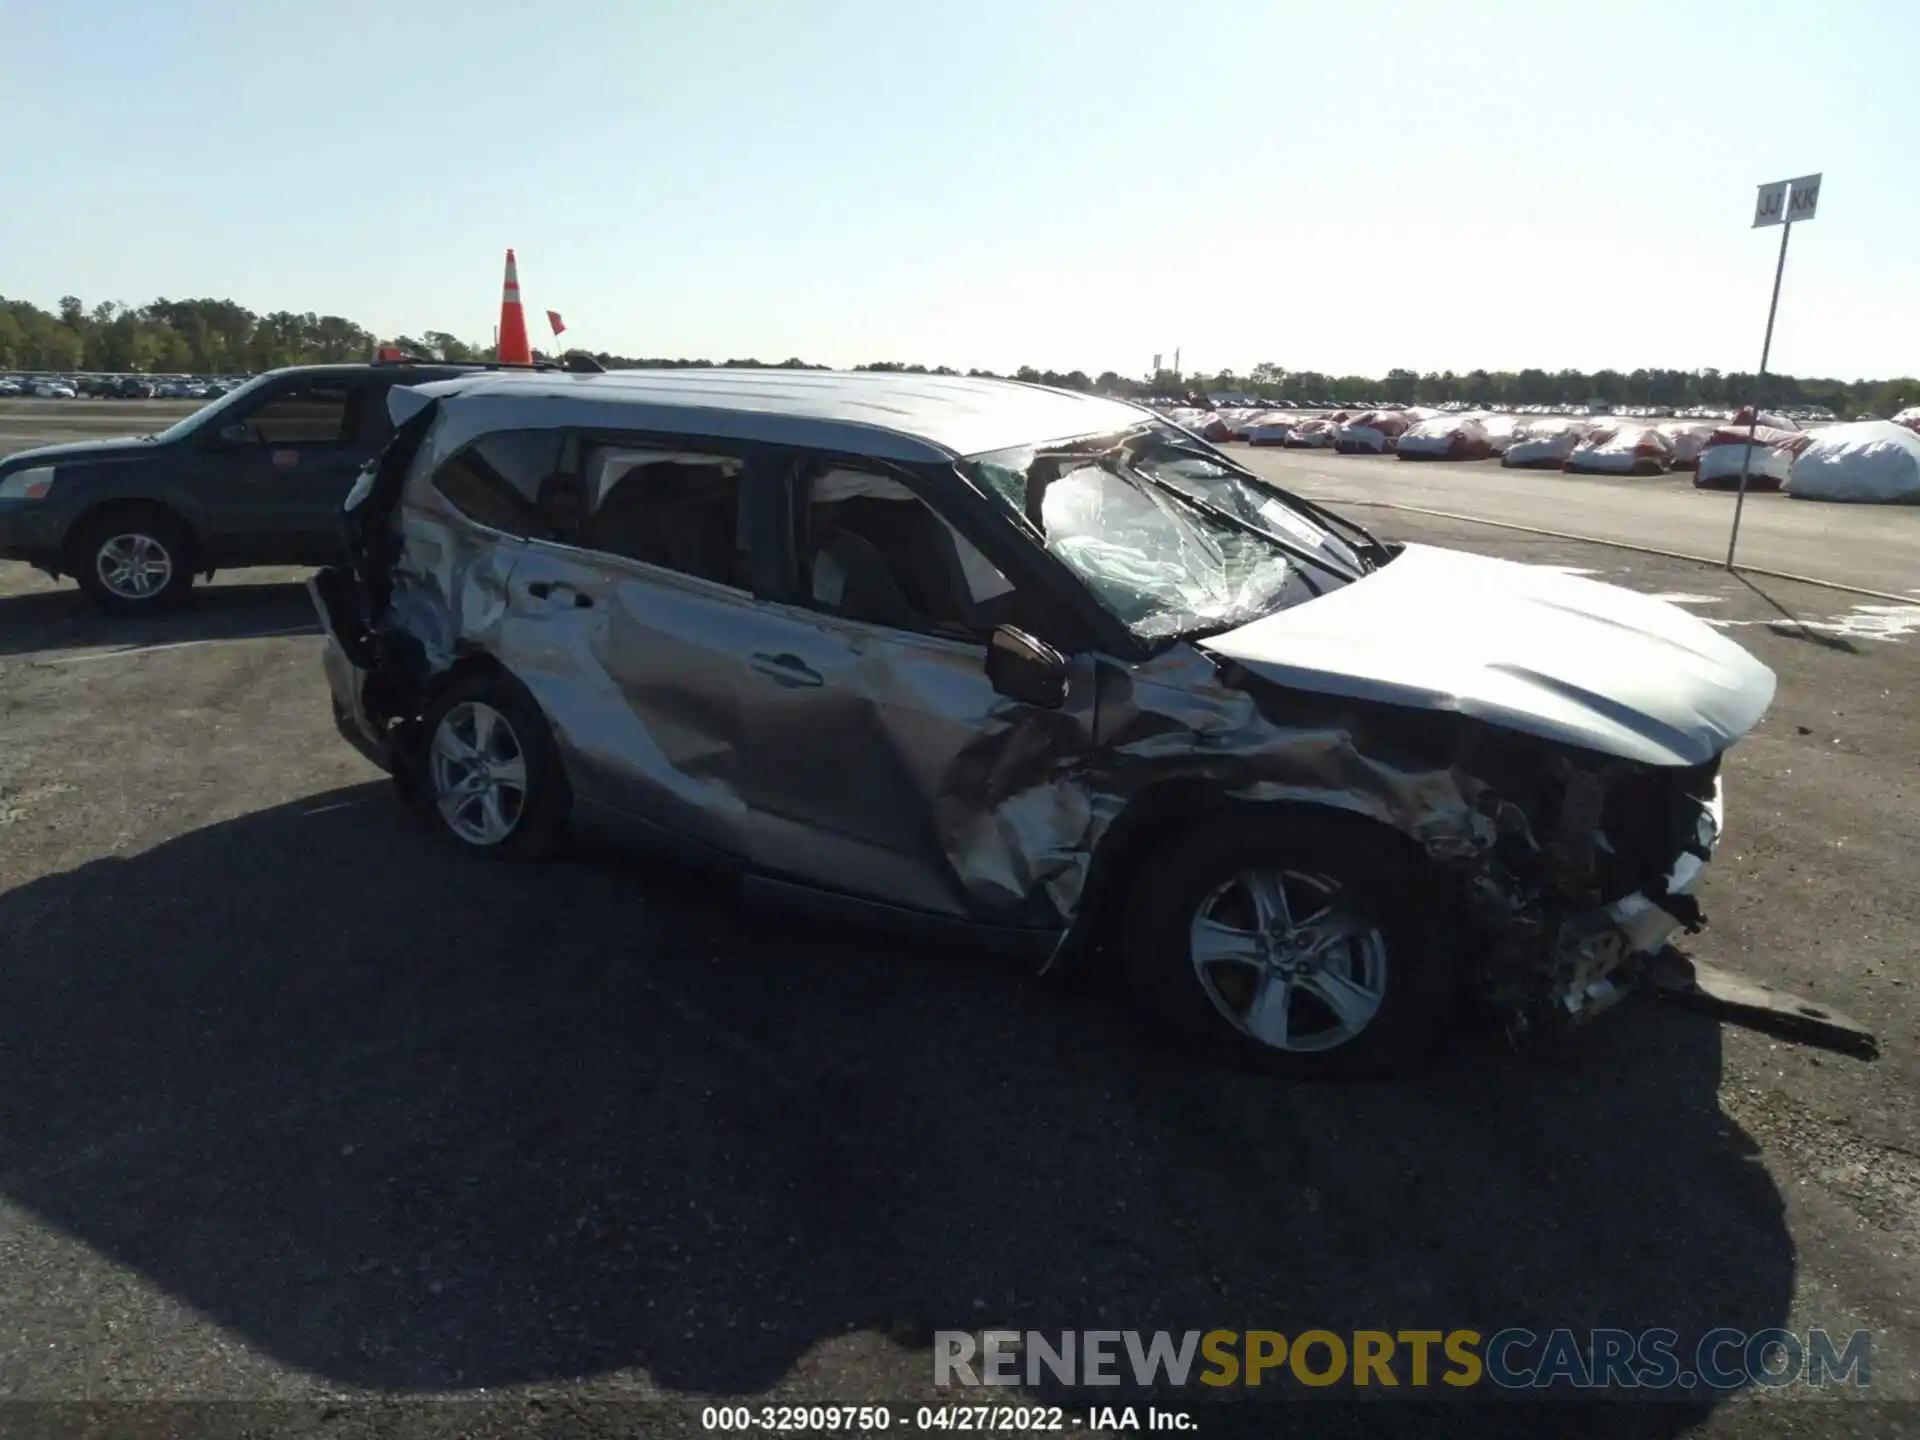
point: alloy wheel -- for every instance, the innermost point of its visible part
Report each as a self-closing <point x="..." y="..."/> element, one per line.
<point x="479" y="773"/>
<point x="133" y="566"/>
<point x="1289" y="959"/>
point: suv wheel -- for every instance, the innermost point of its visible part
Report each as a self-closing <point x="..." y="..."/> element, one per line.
<point x="1295" y="945"/>
<point x="490" y="772"/>
<point x="134" y="561"/>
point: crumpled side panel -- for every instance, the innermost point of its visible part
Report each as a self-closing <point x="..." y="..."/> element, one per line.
<point x="1176" y="716"/>
<point x="450" y="587"/>
<point x="1016" y="815"/>
<point x="640" y="682"/>
<point x="900" y="774"/>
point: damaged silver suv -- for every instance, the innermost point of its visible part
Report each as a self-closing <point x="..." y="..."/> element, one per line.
<point x="1037" y="669"/>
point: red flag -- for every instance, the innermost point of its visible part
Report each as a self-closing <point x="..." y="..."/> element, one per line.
<point x="553" y="319"/>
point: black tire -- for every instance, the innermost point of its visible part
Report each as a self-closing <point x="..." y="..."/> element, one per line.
<point x="538" y="822"/>
<point x="139" y="534"/>
<point x="1401" y="907"/>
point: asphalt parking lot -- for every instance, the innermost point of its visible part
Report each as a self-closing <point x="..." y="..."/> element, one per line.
<point x="1870" y="546"/>
<point x="297" y="1103"/>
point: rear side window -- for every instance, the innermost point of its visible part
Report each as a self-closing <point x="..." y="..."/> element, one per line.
<point x="677" y="510"/>
<point x="308" y="415"/>
<point x="496" y="481"/>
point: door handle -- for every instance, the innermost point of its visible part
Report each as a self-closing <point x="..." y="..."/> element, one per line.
<point x="787" y="670"/>
<point x="544" y="589"/>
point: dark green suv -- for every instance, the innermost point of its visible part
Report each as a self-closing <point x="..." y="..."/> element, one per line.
<point x="256" y="477"/>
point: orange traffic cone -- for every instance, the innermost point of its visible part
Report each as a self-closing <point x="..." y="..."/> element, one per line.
<point x="513" y="347"/>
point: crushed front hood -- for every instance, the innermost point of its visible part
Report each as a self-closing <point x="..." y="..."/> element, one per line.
<point x="1520" y="646"/>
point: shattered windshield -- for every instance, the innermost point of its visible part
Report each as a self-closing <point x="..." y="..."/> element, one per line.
<point x="1112" y="511"/>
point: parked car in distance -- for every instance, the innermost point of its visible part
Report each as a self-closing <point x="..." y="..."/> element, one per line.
<point x="1036" y="668"/>
<point x="256" y="477"/>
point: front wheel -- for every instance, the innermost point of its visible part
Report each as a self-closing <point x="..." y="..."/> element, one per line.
<point x="1300" y="946"/>
<point x="134" y="561"/>
<point x="490" y="774"/>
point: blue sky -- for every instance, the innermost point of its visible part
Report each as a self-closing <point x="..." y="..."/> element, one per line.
<point x="990" y="183"/>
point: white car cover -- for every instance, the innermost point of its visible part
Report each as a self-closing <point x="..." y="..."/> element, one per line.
<point x="1544" y="443"/>
<point x="1316" y="433"/>
<point x="1446" y="437"/>
<point x="1622" y="450"/>
<point x="1362" y="440"/>
<point x="1873" y="461"/>
<point x="1372" y="432"/>
<point x="1772" y="420"/>
<point x="1242" y="422"/>
<point x="1501" y="430"/>
<point x="1686" y="436"/>
<point x="1718" y="467"/>
<point x="1910" y="417"/>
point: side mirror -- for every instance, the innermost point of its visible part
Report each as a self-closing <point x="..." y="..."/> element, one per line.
<point x="1022" y="668"/>
<point x="238" y="433"/>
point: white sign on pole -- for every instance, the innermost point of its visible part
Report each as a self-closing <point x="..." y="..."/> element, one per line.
<point x="1804" y="201"/>
<point x="1781" y="203"/>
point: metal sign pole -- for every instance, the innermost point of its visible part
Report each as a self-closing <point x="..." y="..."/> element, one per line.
<point x="1780" y="203"/>
<point x="1759" y="384"/>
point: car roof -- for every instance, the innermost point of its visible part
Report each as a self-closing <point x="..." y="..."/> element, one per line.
<point x="883" y="414"/>
<point x="396" y="368"/>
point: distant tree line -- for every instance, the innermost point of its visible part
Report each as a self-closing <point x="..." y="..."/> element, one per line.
<point x="1675" y="389"/>
<point x="219" y="337"/>
<point x="190" y="337"/>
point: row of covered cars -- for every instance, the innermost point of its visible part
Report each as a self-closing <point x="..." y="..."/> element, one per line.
<point x="1872" y="460"/>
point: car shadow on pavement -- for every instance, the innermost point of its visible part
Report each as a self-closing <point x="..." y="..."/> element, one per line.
<point x="409" y="1120"/>
<point x="64" y="619"/>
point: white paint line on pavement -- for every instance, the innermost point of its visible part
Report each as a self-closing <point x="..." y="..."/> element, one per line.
<point x="1681" y="597"/>
<point x="130" y="651"/>
<point x="1863" y="622"/>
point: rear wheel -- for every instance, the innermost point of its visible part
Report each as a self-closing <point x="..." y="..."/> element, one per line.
<point x="130" y="561"/>
<point x="490" y="772"/>
<point x="1300" y="946"/>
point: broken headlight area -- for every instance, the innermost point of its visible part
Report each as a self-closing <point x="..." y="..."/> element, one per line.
<point x="1565" y="911"/>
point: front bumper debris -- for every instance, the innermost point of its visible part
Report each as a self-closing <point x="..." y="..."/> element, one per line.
<point x="1621" y="949"/>
<point x="1593" y="957"/>
<point x="1726" y="996"/>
